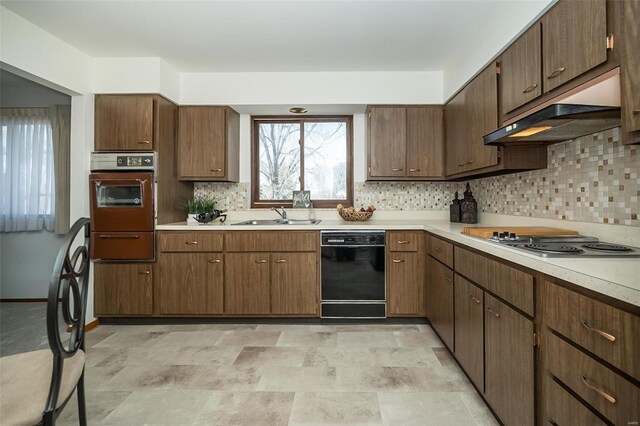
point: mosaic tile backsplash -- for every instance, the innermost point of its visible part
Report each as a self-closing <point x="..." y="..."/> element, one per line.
<point x="590" y="179"/>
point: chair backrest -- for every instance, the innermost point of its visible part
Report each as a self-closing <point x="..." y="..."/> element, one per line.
<point x="67" y="298"/>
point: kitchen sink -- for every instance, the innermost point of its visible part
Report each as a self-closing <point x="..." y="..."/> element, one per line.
<point x="280" y="222"/>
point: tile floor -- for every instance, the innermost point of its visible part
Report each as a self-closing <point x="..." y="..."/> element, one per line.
<point x="259" y="374"/>
<point x="23" y="327"/>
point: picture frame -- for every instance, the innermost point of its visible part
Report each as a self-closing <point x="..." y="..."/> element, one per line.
<point x="301" y="199"/>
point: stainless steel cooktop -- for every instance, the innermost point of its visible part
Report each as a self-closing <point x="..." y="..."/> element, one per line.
<point x="564" y="246"/>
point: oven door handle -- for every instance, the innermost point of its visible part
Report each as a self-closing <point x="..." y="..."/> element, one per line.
<point x="121" y="237"/>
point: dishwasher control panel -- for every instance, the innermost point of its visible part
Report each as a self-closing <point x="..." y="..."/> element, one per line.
<point x="352" y="238"/>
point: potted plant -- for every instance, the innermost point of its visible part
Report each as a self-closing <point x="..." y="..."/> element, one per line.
<point x="197" y="205"/>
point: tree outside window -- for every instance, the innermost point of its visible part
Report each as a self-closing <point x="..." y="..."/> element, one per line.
<point x="310" y="153"/>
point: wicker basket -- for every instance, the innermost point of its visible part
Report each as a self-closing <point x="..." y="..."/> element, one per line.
<point x="355" y="216"/>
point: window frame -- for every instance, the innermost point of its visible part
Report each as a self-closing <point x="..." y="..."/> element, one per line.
<point x="256" y="120"/>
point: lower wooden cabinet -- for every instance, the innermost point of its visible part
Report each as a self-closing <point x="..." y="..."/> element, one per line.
<point x="439" y="295"/>
<point x="469" y="329"/>
<point x="294" y="284"/>
<point x="247" y="284"/>
<point x="405" y="292"/>
<point x="509" y="363"/>
<point x="123" y="289"/>
<point x="190" y="283"/>
<point x="562" y="409"/>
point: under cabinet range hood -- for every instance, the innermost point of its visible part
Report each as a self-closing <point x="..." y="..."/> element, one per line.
<point x="589" y="108"/>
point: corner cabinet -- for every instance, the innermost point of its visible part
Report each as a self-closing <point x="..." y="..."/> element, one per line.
<point x="208" y="143"/>
<point x="405" y="142"/>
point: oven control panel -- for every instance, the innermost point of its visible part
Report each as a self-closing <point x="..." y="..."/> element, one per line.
<point x="119" y="161"/>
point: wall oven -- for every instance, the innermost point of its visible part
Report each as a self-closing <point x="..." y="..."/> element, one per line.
<point x="352" y="274"/>
<point x="122" y="196"/>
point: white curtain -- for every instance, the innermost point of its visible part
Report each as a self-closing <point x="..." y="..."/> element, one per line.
<point x="27" y="182"/>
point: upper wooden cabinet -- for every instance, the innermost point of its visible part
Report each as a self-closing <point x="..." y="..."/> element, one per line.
<point x="405" y="143"/>
<point x="471" y="114"/>
<point x="520" y="70"/>
<point x="208" y="143"/>
<point x="574" y="40"/>
<point x="630" y="71"/>
<point x="124" y="122"/>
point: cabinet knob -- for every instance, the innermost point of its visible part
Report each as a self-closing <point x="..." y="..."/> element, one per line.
<point x="469" y="162"/>
<point x="436" y="248"/>
<point x="636" y="111"/>
<point x="281" y="261"/>
<point x="556" y="72"/>
<point x="448" y="279"/>
<point x="214" y="261"/>
<point x="397" y="170"/>
<point x="191" y="243"/>
<point x="144" y="273"/>
<point x="530" y="88"/>
<point x="144" y="143"/>
<point x="598" y="390"/>
<point x="414" y="170"/>
<point x="216" y="170"/>
<point x="495" y="314"/>
<point x="609" y="337"/>
<point x="461" y="164"/>
<point x="398" y="260"/>
<point x="403" y="242"/>
<point x="260" y="260"/>
<point x="474" y="299"/>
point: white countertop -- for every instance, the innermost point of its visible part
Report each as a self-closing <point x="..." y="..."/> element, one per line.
<point x="615" y="277"/>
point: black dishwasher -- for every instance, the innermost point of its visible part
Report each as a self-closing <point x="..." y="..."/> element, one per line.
<point x="352" y="274"/>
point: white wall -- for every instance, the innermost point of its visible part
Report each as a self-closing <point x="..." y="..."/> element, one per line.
<point x="31" y="52"/>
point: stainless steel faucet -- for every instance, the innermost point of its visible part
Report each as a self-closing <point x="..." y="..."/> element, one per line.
<point x="282" y="214"/>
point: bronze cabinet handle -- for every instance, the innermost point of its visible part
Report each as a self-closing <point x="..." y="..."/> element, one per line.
<point x="609" y="337"/>
<point x="214" y="261"/>
<point x="530" y="88"/>
<point x="191" y="243"/>
<point x="216" y="170"/>
<point x="552" y="422"/>
<point x="144" y="142"/>
<point x="636" y="111"/>
<point x="556" y="72"/>
<point x="598" y="390"/>
<point x="414" y="170"/>
<point x="461" y="164"/>
<point x="448" y="279"/>
<point x="120" y="237"/>
<point x="281" y="261"/>
<point x="398" y="261"/>
<point x="397" y="170"/>
<point x="495" y="314"/>
<point x="469" y="162"/>
<point x="436" y="248"/>
<point x="474" y="299"/>
<point x="402" y="242"/>
<point x="144" y="273"/>
<point x="261" y="261"/>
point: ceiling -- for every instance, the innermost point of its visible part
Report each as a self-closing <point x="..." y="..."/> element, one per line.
<point x="269" y="36"/>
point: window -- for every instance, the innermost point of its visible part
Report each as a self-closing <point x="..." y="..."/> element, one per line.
<point x="306" y="153"/>
<point x="27" y="199"/>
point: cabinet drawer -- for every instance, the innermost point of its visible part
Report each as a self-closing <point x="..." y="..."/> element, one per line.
<point x="441" y="250"/>
<point x="513" y="285"/>
<point x="404" y="241"/>
<point x="562" y="409"/>
<point x="272" y="241"/>
<point x="613" y="396"/>
<point x="592" y="325"/>
<point x="190" y="241"/>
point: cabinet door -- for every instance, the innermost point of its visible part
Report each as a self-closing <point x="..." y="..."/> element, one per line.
<point x="520" y="70"/>
<point x="469" y="329"/>
<point x="482" y="106"/>
<point x="439" y="295"/>
<point x="202" y="142"/>
<point x="246" y="283"/>
<point x="509" y="372"/>
<point x="123" y="289"/>
<point x="387" y="141"/>
<point x="425" y="142"/>
<point x="124" y="123"/>
<point x="573" y="40"/>
<point x="630" y="70"/>
<point x="405" y="274"/>
<point x="190" y="283"/>
<point x="294" y="283"/>
<point x="456" y="133"/>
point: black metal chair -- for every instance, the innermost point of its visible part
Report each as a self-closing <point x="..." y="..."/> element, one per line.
<point x="36" y="386"/>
